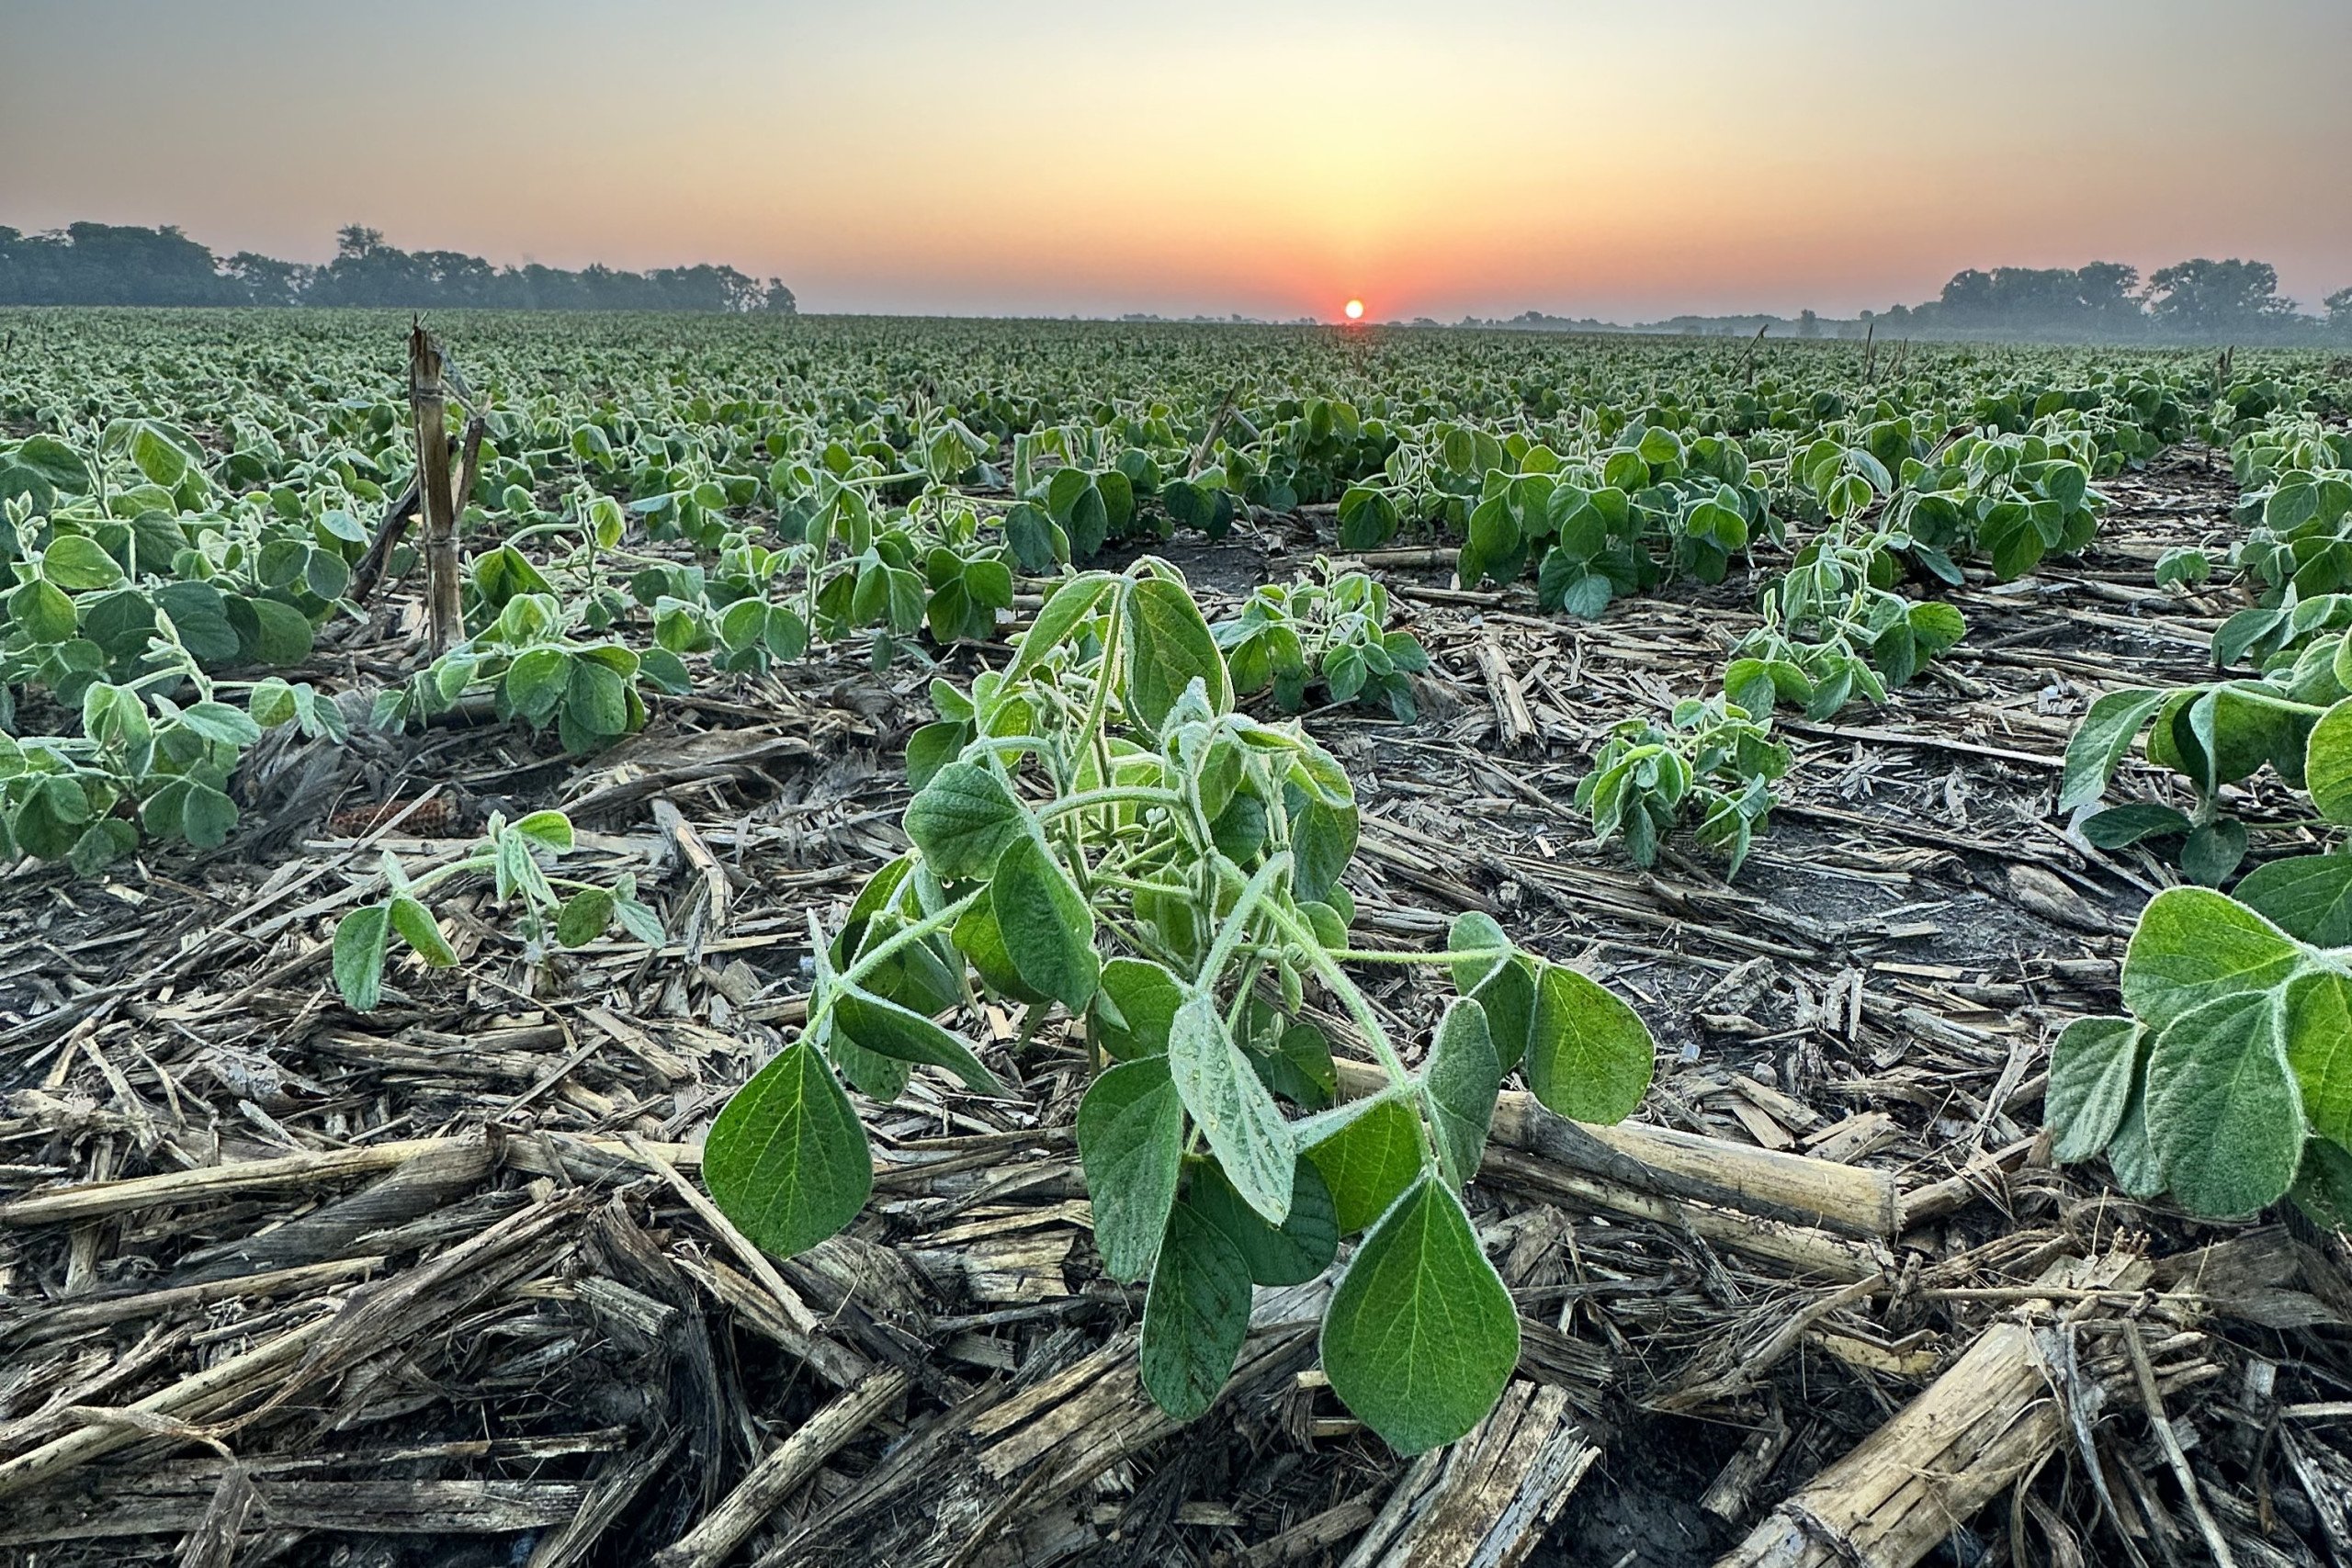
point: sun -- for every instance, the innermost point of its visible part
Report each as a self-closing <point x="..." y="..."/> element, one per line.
<point x="1354" y="309"/>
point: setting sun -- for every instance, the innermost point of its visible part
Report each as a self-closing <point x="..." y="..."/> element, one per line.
<point x="1354" y="309"/>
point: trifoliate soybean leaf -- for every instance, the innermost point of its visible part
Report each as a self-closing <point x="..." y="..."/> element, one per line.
<point x="551" y="829"/>
<point x="2213" y="850"/>
<point x="219" y="722"/>
<point x="1369" y="1159"/>
<point x="2327" y="763"/>
<point x="2323" y="1187"/>
<point x="1509" y="996"/>
<point x="786" y="1159"/>
<point x="585" y="916"/>
<point x="2129" y="1157"/>
<point x="1047" y="928"/>
<point x="1130" y="1137"/>
<point x="2099" y="745"/>
<point x="2192" y="945"/>
<point x="1290" y="1254"/>
<point x="60" y="465"/>
<point x="1146" y="997"/>
<point x="980" y="941"/>
<point x="359" y="955"/>
<point x="2093" y="1066"/>
<point x="1169" y="647"/>
<point x="44" y="610"/>
<point x="283" y="632"/>
<point x="2119" y="825"/>
<point x="2308" y="896"/>
<point x="596" y="700"/>
<point x="2224" y="1115"/>
<point x="1459" y="1083"/>
<point x="963" y="820"/>
<point x="1474" y="930"/>
<point x="1194" y="1316"/>
<point x="2317" y="1016"/>
<point x="931" y="748"/>
<point x="1295" y="1062"/>
<point x="1063" y="613"/>
<point x="1421" y="1336"/>
<point x="75" y="562"/>
<point x="1223" y="1092"/>
<point x="206" y="816"/>
<point x="421" y="932"/>
<point x="890" y="1030"/>
<point x="872" y="1075"/>
<point x="1589" y="1056"/>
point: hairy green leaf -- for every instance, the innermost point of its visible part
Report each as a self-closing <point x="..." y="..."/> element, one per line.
<point x="786" y="1159"/>
<point x="1130" y="1138"/>
<point x="1421" y="1336"/>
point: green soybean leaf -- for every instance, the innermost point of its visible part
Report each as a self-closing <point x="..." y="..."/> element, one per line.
<point x="585" y="916"/>
<point x="1194" y="1316"/>
<point x="2093" y="1066"/>
<point x="2213" y="850"/>
<point x="2098" y="747"/>
<point x="1168" y="647"/>
<point x="1421" y="1335"/>
<point x="1509" y="996"/>
<point x="1589" y="1056"/>
<point x="2308" y="896"/>
<point x="220" y="722"/>
<point x="75" y="562"/>
<point x="1368" y="1160"/>
<point x="1289" y="1254"/>
<point x="2119" y="825"/>
<point x="1047" y="928"/>
<point x="1062" y="615"/>
<point x="1244" y="1127"/>
<point x="2224" y="1115"/>
<point x="2192" y="945"/>
<point x="359" y="955"/>
<point x="1460" y="1082"/>
<point x="870" y="1073"/>
<point x="963" y="820"/>
<point x="2327" y="763"/>
<point x="2316" y="1015"/>
<point x="421" y="932"/>
<point x="786" y="1160"/>
<point x="980" y="939"/>
<point x="890" y="1030"/>
<point x="2128" y="1156"/>
<point x="206" y="816"/>
<point x="1131" y="1139"/>
<point x="1145" y="996"/>
<point x="1470" y="931"/>
<point x="2323" y="1187"/>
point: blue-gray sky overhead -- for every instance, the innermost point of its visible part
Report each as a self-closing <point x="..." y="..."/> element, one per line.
<point x="1616" y="159"/>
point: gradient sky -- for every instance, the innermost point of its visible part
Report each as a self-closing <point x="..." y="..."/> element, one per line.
<point x="1630" y="159"/>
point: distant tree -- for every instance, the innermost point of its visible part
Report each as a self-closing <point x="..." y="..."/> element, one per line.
<point x="2109" y="289"/>
<point x="777" y="299"/>
<point x="2339" y="310"/>
<point x="357" y="242"/>
<point x="265" y="279"/>
<point x="2217" y="299"/>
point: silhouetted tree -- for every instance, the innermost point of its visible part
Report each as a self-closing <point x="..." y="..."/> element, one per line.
<point x="2217" y="299"/>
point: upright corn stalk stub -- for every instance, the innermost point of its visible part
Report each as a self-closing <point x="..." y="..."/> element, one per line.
<point x="428" y="405"/>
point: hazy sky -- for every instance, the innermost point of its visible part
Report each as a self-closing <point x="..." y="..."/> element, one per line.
<point x="1633" y="158"/>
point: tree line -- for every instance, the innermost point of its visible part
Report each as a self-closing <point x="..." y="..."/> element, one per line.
<point x="2201" y="301"/>
<point x="105" y="264"/>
